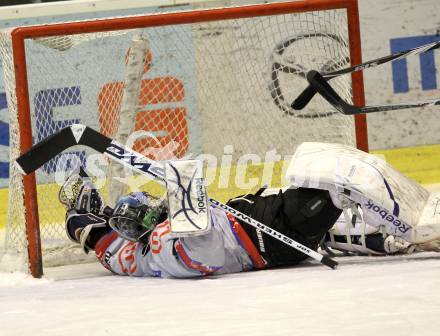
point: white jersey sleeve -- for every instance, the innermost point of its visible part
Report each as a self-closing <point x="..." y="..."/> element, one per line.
<point x="224" y="249"/>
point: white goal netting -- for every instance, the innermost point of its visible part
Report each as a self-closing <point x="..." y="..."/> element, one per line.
<point x="221" y="88"/>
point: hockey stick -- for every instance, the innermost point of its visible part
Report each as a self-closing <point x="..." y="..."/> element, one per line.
<point x="304" y="98"/>
<point x="319" y="84"/>
<point x="83" y="135"/>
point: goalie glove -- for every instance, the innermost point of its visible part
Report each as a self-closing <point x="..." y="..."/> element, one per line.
<point x="87" y="216"/>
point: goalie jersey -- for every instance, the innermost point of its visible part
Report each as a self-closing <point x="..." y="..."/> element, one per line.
<point x="226" y="248"/>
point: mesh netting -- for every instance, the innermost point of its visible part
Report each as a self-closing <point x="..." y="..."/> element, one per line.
<point x="220" y="88"/>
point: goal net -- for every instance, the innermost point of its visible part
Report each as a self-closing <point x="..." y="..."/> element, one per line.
<point x="215" y="84"/>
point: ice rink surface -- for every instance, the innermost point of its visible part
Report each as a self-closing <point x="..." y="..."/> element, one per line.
<point x="364" y="296"/>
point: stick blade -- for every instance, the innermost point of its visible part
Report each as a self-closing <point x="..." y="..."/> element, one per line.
<point x="304" y="98"/>
<point x="329" y="262"/>
<point x="55" y="144"/>
<point x="44" y="151"/>
<point x="320" y="84"/>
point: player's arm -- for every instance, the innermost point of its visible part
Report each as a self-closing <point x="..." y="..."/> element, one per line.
<point x="87" y="216"/>
<point x="87" y="223"/>
<point x="86" y="228"/>
<point x="93" y="233"/>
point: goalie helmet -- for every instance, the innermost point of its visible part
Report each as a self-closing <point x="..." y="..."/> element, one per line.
<point x="136" y="215"/>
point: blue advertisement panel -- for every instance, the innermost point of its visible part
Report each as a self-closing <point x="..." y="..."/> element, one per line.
<point x="428" y="72"/>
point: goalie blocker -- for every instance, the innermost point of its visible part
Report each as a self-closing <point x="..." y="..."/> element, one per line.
<point x="187" y="199"/>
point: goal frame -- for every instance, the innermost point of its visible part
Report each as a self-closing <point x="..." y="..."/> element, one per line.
<point x="19" y="35"/>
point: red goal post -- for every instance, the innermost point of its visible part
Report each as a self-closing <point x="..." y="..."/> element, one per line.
<point x="20" y="35"/>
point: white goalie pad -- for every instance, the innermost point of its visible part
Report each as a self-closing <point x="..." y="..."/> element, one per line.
<point x="388" y="199"/>
<point x="187" y="198"/>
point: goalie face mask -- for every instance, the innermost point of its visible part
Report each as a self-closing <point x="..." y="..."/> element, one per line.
<point x="136" y="215"/>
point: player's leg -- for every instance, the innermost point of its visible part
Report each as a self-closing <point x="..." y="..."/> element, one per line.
<point x="301" y="214"/>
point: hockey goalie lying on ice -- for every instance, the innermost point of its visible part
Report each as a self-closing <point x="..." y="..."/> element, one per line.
<point x="382" y="212"/>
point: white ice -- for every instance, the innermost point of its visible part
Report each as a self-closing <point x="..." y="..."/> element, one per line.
<point x="364" y="296"/>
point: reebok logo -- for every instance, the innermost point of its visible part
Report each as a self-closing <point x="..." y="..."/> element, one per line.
<point x="201" y="196"/>
<point x="388" y="217"/>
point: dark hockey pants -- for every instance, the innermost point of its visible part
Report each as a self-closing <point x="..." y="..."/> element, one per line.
<point x="304" y="215"/>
